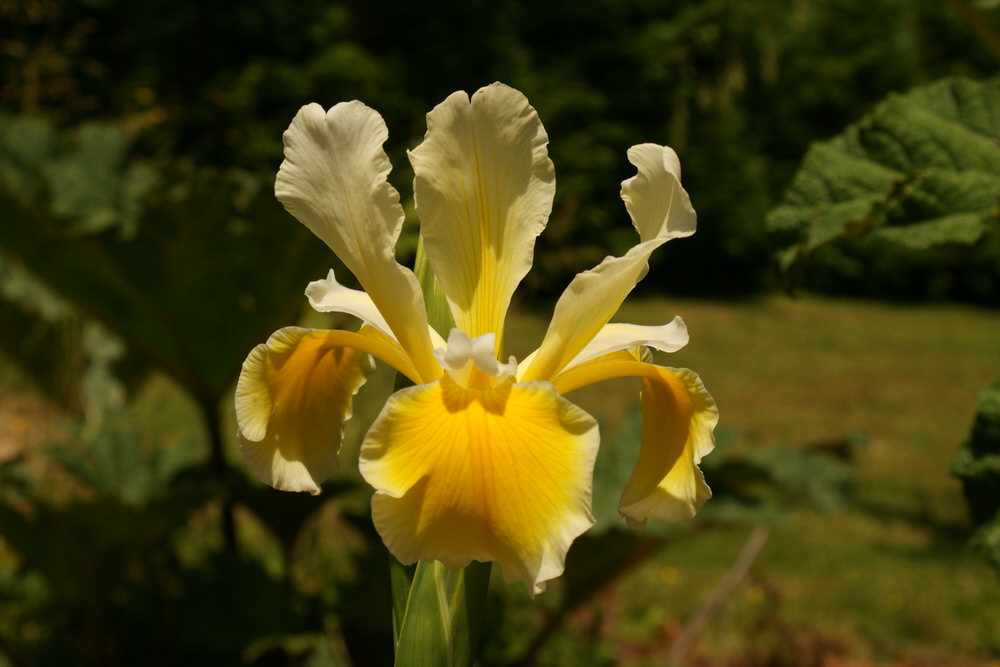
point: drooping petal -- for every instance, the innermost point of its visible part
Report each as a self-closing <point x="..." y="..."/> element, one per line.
<point x="660" y="211"/>
<point x="329" y="296"/>
<point x="498" y="474"/>
<point x="334" y="180"/>
<point x="292" y="399"/>
<point x="678" y="417"/>
<point x="483" y="189"/>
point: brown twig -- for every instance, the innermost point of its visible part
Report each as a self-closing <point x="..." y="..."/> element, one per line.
<point x="978" y="23"/>
<point x="722" y="592"/>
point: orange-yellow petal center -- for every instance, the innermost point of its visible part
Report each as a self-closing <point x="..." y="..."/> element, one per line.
<point x="482" y="473"/>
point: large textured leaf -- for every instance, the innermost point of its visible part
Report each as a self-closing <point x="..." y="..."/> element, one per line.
<point x="977" y="464"/>
<point x="190" y="267"/>
<point x="922" y="169"/>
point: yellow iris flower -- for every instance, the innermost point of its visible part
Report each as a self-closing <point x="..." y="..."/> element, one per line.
<point x="481" y="459"/>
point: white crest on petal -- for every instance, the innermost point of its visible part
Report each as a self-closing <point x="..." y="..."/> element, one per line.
<point x="462" y="354"/>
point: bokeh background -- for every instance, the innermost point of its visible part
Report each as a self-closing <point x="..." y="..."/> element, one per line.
<point x="842" y="293"/>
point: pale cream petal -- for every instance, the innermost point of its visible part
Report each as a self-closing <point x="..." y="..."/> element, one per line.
<point x="329" y="296"/>
<point x="589" y="302"/>
<point x="292" y="399"/>
<point x="334" y="180"/>
<point x="500" y="474"/>
<point x="660" y="210"/>
<point x="483" y="189"/>
<point x="619" y="336"/>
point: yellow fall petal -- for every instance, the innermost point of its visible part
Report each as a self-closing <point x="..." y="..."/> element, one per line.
<point x="292" y="400"/>
<point x="678" y="417"/>
<point x="483" y="188"/>
<point x="501" y="473"/>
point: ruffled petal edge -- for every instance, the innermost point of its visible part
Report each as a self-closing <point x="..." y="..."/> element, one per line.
<point x="293" y="396"/>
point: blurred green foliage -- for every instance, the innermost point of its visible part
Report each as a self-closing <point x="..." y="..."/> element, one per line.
<point x="977" y="464"/>
<point x="107" y="577"/>
<point x="739" y="88"/>
<point x="168" y="259"/>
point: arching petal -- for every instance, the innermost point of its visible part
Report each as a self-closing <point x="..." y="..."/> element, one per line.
<point x="618" y="336"/>
<point x="678" y="417"/>
<point x="334" y="181"/>
<point x="498" y="474"/>
<point x="483" y="189"/>
<point x="659" y="207"/>
<point x="294" y="396"/>
<point x="660" y="211"/>
<point x="329" y="296"/>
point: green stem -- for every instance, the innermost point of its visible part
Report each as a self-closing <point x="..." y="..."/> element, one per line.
<point x="442" y="616"/>
<point x="438" y="311"/>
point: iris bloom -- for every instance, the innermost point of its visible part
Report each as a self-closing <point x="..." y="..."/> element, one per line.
<point x="481" y="459"/>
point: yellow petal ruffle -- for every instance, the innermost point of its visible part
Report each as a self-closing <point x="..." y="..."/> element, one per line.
<point x="678" y="419"/>
<point x="498" y="474"/>
<point x="292" y="399"/>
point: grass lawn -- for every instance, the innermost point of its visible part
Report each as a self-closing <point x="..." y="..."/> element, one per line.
<point x="888" y="578"/>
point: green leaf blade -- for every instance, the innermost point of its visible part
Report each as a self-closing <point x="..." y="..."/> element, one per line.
<point x="443" y="616"/>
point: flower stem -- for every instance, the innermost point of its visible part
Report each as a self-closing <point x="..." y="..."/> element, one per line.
<point x="437" y="621"/>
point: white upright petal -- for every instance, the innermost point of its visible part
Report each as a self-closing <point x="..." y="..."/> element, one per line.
<point x="334" y="180"/>
<point x="660" y="211"/>
<point x="483" y="188"/>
